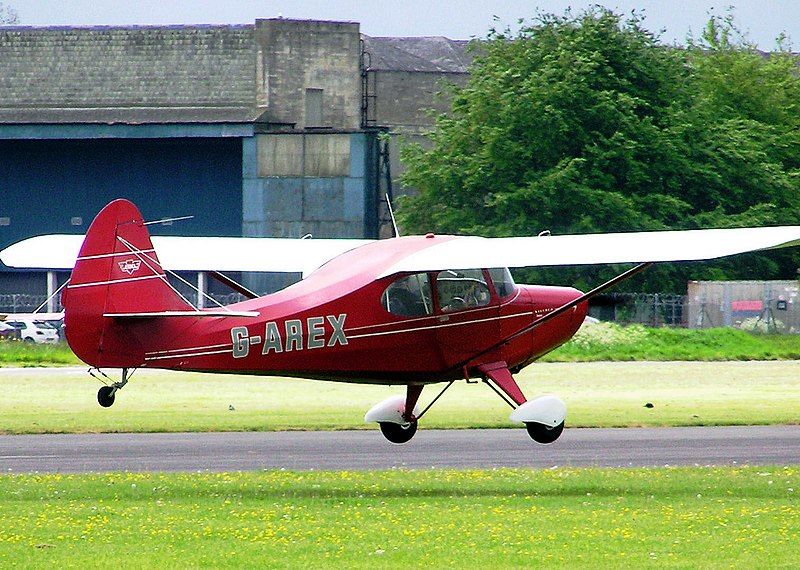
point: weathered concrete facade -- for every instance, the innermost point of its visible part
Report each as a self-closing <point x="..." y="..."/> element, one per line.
<point x="299" y="105"/>
<point x="298" y="59"/>
<point x="305" y="183"/>
<point x="405" y="84"/>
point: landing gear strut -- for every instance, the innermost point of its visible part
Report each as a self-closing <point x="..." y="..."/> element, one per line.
<point x="397" y="416"/>
<point x="105" y="395"/>
<point x="543" y="417"/>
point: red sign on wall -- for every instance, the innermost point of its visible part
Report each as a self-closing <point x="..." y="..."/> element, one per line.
<point x="747" y="306"/>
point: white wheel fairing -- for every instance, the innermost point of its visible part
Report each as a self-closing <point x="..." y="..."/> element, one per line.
<point x="389" y="410"/>
<point x="546" y="410"/>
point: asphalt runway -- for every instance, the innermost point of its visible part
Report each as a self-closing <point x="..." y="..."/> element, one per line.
<point x="368" y="450"/>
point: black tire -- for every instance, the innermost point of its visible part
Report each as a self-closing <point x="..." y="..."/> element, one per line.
<point x="397" y="433"/>
<point x="543" y="434"/>
<point x="105" y="396"/>
<point x="29" y="340"/>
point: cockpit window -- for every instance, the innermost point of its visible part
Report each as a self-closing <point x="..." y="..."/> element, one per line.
<point x="409" y="296"/>
<point x="462" y="289"/>
<point x="503" y="282"/>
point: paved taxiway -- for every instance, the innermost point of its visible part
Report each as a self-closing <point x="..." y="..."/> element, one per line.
<point x="368" y="450"/>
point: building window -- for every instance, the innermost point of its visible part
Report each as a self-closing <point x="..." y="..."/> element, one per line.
<point x="314" y="108"/>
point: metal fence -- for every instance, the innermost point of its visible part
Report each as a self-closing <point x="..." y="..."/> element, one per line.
<point x="654" y="310"/>
<point x="768" y="306"/>
<point x="24" y="303"/>
<point x="21" y="303"/>
<point x="765" y="306"/>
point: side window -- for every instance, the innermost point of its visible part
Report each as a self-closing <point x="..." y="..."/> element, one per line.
<point x="462" y="289"/>
<point x="503" y="282"/>
<point x="409" y="296"/>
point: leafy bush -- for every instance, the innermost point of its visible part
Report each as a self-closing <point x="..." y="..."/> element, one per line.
<point x="593" y="335"/>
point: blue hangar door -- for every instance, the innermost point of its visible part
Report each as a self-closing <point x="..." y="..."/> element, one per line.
<point x="57" y="186"/>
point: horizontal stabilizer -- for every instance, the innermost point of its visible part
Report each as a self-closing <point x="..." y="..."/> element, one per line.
<point x="162" y="314"/>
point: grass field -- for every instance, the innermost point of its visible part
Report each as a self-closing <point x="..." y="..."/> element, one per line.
<point x="598" y="342"/>
<point x="611" y="342"/>
<point x="597" y="394"/>
<point x="16" y="353"/>
<point x="632" y="518"/>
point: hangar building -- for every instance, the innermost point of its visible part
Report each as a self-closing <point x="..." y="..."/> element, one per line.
<point x="265" y="129"/>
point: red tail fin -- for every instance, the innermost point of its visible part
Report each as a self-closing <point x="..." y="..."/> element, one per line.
<point x="117" y="271"/>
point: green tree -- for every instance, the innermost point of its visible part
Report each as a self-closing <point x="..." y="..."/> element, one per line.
<point x="586" y="123"/>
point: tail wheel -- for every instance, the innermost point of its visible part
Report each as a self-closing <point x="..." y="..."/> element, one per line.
<point x="398" y="433"/>
<point x="105" y="396"/>
<point x="541" y="433"/>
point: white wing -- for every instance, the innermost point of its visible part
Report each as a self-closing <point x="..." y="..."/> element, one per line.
<point x="303" y="256"/>
<point x="193" y="253"/>
<point x="589" y="249"/>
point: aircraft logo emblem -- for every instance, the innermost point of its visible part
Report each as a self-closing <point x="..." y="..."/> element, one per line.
<point x="130" y="266"/>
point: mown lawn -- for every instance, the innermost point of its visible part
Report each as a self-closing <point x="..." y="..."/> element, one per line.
<point x="746" y="517"/>
<point x="18" y="353"/>
<point x="593" y="343"/>
<point x="604" y="394"/>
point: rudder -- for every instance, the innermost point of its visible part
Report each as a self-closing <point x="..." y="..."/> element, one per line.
<point x="117" y="271"/>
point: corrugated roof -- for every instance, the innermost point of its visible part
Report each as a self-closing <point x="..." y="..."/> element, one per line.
<point x="163" y="74"/>
<point x="135" y="74"/>
<point x="423" y="54"/>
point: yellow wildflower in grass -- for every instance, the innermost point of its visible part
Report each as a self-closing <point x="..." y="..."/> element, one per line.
<point x="504" y="517"/>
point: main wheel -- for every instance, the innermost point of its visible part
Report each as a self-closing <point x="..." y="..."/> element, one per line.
<point x="105" y="396"/>
<point x="398" y="433"/>
<point x="541" y="433"/>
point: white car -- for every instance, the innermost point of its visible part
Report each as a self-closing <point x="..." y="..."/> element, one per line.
<point x="34" y="331"/>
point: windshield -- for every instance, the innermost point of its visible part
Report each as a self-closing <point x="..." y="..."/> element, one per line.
<point x="503" y="282"/>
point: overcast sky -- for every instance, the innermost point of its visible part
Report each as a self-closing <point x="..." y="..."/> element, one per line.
<point x="762" y="19"/>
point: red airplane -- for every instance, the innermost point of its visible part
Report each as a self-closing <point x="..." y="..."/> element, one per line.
<point x="409" y="310"/>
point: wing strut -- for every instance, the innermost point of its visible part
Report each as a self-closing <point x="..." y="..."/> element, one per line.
<point x="559" y="311"/>
<point x="238" y="287"/>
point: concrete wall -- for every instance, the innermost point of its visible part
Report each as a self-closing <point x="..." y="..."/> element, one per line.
<point x="729" y="303"/>
<point x="403" y="98"/>
<point x="296" y="55"/>
<point x="296" y="184"/>
<point x="403" y="101"/>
